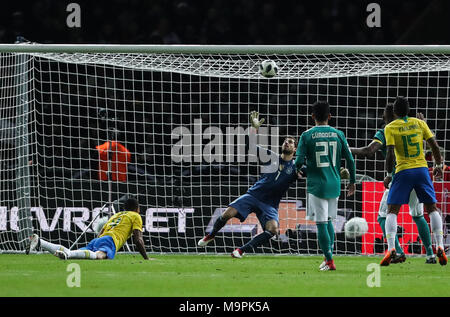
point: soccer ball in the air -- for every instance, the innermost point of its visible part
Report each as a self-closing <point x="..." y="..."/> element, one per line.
<point x="268" y="68"/>
<point x="355" y="227"/>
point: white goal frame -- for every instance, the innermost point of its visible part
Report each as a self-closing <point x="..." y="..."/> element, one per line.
<point x="28" y="48"/>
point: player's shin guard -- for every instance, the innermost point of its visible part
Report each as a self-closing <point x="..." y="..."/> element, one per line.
<point x="382" y="222"/>
<point x="324" y="240"/>
<point x="424" y="234"/>
<point x="436" y="228"/>
<point x="257" y="241"/>
<point x="218" y="224"/>
<point x="82" y="254"/>
<point x="391" y="230"/>
<point x="51" y="247"/>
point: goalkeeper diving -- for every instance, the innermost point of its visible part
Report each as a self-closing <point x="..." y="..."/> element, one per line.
<point x="113" y="235"/>
<point x="264" y="196"/>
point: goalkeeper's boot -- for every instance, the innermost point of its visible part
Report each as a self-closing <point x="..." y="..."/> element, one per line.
<point x="329" y="266"/>
<point x="237" y="253"/>
<point x="61" y="254"/>
<point x="431" y="259"/>
<point x="206" y="239"/>
<point x="34" y="243"/>
<point x="388" y="257"/>
<point x="441" y="256"/>
<point x="399" y="258"/>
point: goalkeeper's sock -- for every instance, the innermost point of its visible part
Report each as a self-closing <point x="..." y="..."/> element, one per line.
<point x="51" y="247"/>
<point x="391" y="230"/>
<point x="257" y="241"/>
<point x="424" y="233"/>
<point x="82" y="254"/>
<point x="324" y="240"/>
<point x="398" y="247"/>
<point x="219" y="224"/>
<point x="436" y="228"/>
<point x="330" y="228"/>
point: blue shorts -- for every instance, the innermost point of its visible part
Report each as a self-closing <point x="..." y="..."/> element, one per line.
<point x="105" y="244"/>
<point x="405" y="181"/>
<point x="247" y="204"/>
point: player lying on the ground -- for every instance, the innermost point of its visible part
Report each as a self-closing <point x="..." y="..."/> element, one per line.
<point x="263" y="197"/>
<point x="111" y="238"/>
<point x="404" y="141"/>
<point x="415" y="207"/>
<point x="322" y="148"/>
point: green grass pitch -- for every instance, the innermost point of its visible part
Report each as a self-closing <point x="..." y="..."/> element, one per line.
<point x="43" y="275"/>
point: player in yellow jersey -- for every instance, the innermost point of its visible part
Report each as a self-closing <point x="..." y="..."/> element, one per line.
<point x="111" y="238"/>
<point x="404" y="141"/>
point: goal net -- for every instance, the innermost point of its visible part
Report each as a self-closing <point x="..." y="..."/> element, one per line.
<point x="80" y="130"/>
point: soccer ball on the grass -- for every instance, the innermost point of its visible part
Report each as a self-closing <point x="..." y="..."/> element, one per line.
<point x="268" y="68"/>
<point x="355" y="227"/>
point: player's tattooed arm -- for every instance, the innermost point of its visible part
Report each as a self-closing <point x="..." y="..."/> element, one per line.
<point x="368" y="150"/>
<point x="437" y="171"/>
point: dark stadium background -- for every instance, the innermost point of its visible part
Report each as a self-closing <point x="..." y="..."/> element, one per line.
<point x="226" y="22"/>
<point x="208" y="22"/>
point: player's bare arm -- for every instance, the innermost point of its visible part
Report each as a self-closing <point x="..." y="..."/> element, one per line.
<point x="368" y="150"/>
<point x="437" y="171"/>
<point x="139" y="242"/>
<point x="351" y="188"/>
<point x="390" y="161"/>
<point x="420" y="116"/>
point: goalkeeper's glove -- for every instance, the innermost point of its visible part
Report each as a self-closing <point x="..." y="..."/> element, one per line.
<point x="301" y="172"/>
<point x="345" y="174"/>
<point x="254" y="119"/>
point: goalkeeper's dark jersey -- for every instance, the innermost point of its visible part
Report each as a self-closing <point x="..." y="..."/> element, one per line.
<point x="273" y="184"/>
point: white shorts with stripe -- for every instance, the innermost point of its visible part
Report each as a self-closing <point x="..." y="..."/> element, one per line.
<point x="321" y="209"/>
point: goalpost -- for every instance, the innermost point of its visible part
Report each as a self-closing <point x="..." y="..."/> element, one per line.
<point x="83" y="125"/>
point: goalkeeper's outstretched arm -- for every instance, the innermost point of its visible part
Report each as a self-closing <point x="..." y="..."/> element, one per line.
<point x="251" y="145"/>
<point x="139" y="242"/>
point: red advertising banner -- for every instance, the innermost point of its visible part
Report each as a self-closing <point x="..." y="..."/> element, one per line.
<point x="372" y="194"/>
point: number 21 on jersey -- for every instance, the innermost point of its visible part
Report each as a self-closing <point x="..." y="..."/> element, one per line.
<point x="322" y="153"/>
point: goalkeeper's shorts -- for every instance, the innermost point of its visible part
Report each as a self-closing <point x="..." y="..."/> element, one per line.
<point x="405" y="181"/>
<point x="247" y="204"/>
<point x="104" y="244"/>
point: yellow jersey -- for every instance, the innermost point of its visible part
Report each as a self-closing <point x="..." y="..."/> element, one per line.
<point x="121" y="226"/>
<point x="407" y="135"/>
